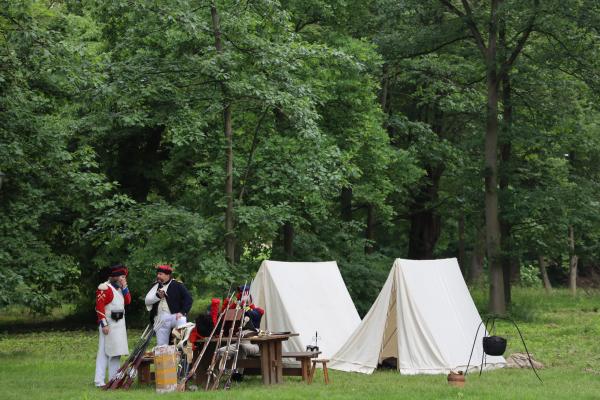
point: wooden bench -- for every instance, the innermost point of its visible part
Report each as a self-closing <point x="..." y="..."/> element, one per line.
<point x="251" y="364"/>
<point x="304" y="357"/>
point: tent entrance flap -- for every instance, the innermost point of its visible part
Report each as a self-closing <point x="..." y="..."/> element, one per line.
<point x="389" y="345"/>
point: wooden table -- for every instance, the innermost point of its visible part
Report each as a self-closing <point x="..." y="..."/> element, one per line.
<point x="271" y="364"/>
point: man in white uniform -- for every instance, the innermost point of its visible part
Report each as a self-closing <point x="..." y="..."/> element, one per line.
<point x="111" y="298"/>
<point x="170" y="301"/>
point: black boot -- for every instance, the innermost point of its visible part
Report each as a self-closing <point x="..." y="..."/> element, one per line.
<point x="237" y="377"/>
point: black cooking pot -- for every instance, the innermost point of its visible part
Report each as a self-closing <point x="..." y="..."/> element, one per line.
<point x="494" y="345"/>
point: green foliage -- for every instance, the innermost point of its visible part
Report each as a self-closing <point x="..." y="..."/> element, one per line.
<point x="143" y="236"/>
<point x="364" y="276"/>
<point x="111" y="138"/>
<point x="530" y="276"/>
<point x="52" y="184"/>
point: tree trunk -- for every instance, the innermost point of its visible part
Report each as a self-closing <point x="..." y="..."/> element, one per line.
<point x="424" y="233"/>
<point x="384" y="89"/>
<point x="494" y="70"/>
<point x="288" y="240"/>
<point x="227" y="125"/>
<point x="462" y="257"/>
<point x="137" y="165"/>
<point x="509" y="261"/>
<point x="515" y="270"/>
<point x="346" y="204"/>
<point x="476" y="273"/>
<point x="370" y="230"/>
<point x="492" y="225"/>
<point x="573" y="258"/>
<point x="544" y="273"/>
<point x="425" y="223"/>
<point x="229" y="228"/>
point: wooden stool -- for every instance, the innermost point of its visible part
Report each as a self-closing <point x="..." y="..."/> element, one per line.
<point x="304" y="357"/>
<point x="145" y="376"/>
<point x="323" y="362"/>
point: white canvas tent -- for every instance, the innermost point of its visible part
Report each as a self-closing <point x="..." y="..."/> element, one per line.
<point x="305" y="297"/>
<point x="424" y="317"/>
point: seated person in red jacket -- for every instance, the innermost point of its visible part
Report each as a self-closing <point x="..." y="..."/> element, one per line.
<point x="205" y="322"/>
<point x="250" y="325"/>
<point x="252" y="313"/>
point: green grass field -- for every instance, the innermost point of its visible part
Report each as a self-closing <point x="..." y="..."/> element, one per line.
<point x="562" y="332"/>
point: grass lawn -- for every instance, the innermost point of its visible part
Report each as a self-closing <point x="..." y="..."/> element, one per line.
<point x="562" y="332"/>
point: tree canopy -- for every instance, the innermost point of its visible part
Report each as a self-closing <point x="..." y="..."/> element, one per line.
<point x="212" y="134"/>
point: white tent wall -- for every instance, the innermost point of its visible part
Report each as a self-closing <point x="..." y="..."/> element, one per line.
<point x="436" y="321"/>
<point x="361" y="352"/>
<point x="305" y="297"/>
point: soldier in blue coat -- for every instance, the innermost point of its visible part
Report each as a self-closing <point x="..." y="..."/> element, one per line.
<point x="170" y="301"/>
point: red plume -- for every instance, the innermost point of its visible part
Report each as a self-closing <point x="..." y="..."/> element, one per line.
<point x="214" y="310"/>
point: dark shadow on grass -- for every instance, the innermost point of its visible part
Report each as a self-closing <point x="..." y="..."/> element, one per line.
<point x="74" y="322"/>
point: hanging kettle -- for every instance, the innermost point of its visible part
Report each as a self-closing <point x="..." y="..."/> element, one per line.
<point x="494" y="345"/>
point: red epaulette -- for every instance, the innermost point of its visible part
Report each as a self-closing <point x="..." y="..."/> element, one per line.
<point x="214" y="310"/>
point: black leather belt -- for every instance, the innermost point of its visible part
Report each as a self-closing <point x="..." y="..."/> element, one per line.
<point x="117" y="314"/>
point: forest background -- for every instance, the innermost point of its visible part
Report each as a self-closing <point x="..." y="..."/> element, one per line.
<point x="214" y="134"/>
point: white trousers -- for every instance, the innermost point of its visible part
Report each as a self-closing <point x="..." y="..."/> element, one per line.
<point x="163" y="332"/>
<point x="246" y="349"/>
<point x="103" y="361"/>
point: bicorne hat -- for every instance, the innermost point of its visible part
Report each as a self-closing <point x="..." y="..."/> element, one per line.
<point x="164" y="268"/>
<point x="118" y="270"/>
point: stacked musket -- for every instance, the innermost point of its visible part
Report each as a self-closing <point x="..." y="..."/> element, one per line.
<point x="216" y="377"/>
<point x="210" y="371"/>
<point x="181" y="386"/>
<point x="128" y="371"/>
<point x="233" y="368"/>
<point x="228" y="348"/>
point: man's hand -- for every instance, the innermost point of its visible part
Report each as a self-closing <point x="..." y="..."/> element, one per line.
<point x="161" y="293"/>
<point x="178" y="315"/>
<point x="123" y="282"/>
<point x="105" y="330"/>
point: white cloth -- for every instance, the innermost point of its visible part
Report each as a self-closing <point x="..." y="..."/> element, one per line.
<point x="424" y="317"/>
<point x="246" y="349"/>
<point x="115" y="343"/>
<point x="151" y="297"/>
<point x="103" y="361"/>
<point x="305" y="297"/>
<point x="163" y="331"/>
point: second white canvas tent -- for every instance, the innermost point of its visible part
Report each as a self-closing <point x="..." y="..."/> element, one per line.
<point x="424" y="317"/>
<point x="305" y="297"/>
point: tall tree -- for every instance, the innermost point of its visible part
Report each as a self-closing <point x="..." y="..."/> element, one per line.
<point x="495" y="74"/>
<point x="228" y="131"/>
